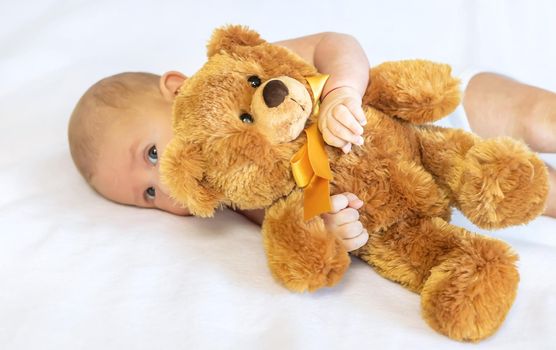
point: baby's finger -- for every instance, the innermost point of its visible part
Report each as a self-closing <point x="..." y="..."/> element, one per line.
<point x="357" y="242"/>
<point x="342" y="132"/>
<point x="331" y="139"/>
<point x="339" y="202"/>
<point x="353" y="200"/>
<point x="342" y="217"/>
<point x="349" y="230"/>
<point x="322" y="124"/>
<point x="354" y="107"/>
<point x="342" y="114"/>
<point x="346" y="148"/>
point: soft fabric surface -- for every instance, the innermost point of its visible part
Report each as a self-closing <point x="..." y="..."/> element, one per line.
<point x="79" y="272"/>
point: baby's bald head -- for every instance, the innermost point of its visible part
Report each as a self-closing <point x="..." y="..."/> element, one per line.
<point x="116" y="132"/>
<point x="110" y="99"/>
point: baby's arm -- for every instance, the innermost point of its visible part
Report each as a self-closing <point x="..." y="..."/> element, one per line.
<point x="340" y="56"/>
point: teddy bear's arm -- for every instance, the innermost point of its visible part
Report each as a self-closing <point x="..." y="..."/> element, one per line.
<point x="301" y="255"/>
<point x="417" y="91"/>
<point x="495" y="183"/>
<point x="182" y="170"/>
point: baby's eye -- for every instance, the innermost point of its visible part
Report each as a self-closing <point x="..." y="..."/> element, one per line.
<point x="152" y="155"/>
<point x="150" y="193"/>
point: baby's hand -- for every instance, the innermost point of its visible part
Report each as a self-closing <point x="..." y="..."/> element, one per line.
<point x="343" y="221"/>
<point x="341" y="117"/>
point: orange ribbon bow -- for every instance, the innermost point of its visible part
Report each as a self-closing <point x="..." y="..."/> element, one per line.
<point x="310" y="166"/>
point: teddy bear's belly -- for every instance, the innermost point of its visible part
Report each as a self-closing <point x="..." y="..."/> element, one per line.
<point x="387" y="175"/>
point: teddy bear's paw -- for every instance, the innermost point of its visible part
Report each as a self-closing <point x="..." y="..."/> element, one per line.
<point x="468" y="296"/>
<point x="502" y="184"/>
<point x="329" y="274"/>
<point x="313" y="269"/>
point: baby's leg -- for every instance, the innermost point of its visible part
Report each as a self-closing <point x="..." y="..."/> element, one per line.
<point x="496" y="105"/>
<point x="551" y="201"/>
<point x="499" y="106"/>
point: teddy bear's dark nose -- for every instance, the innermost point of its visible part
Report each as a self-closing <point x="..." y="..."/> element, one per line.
<point x="274" y="93"/>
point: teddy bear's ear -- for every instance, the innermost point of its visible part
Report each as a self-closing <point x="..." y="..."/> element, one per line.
<point x="182" y="170"/>
<point x="231" y="38"/>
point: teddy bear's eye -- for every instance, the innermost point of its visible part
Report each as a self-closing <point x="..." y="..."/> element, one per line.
<point x="254" y="81"/>
<point x="246" y="118"/>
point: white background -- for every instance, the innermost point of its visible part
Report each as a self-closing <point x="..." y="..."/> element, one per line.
<point x="78" y="272"/>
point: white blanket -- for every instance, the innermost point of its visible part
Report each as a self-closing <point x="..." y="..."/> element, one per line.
<point x="79" y="272"/>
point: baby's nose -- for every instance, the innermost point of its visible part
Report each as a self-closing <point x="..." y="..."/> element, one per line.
<point x="274" y="93"/>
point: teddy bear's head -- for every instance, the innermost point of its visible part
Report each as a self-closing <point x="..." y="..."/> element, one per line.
<point x="234" y="123"/>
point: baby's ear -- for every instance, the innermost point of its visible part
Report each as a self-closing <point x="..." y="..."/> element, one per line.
<point x="232" y="38"/>
<point x="170" y="83"/>
<point x="182" y="170"/>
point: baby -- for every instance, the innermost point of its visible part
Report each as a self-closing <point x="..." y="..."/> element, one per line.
<point x="122" y="124"/>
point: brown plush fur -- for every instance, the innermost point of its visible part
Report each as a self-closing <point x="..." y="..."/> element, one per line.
<point x="408" y="174"/>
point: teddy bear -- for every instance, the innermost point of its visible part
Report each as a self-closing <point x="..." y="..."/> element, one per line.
<point x="242" y="120"/>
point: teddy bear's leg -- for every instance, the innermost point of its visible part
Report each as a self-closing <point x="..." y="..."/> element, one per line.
<point x="418" y="91"/>
<point x="467" y="281"/>
<point x="495" y="183"/>
<point x="301" y="255"/>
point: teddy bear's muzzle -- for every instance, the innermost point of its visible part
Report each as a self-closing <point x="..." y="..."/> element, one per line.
<point x="281" y="107"/>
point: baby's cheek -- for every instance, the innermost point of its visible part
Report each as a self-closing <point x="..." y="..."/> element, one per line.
<point x="169" y="205"/>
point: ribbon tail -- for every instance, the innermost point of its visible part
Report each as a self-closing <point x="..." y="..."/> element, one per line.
<point x="316" y="198"/>
<point x="310" y="166"/>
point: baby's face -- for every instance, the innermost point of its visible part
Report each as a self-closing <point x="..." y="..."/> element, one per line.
<point x="127" y="171"/>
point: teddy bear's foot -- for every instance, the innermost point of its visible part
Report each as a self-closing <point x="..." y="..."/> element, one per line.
<point x="503" y="184"/>
<point x="469" y="294"/>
